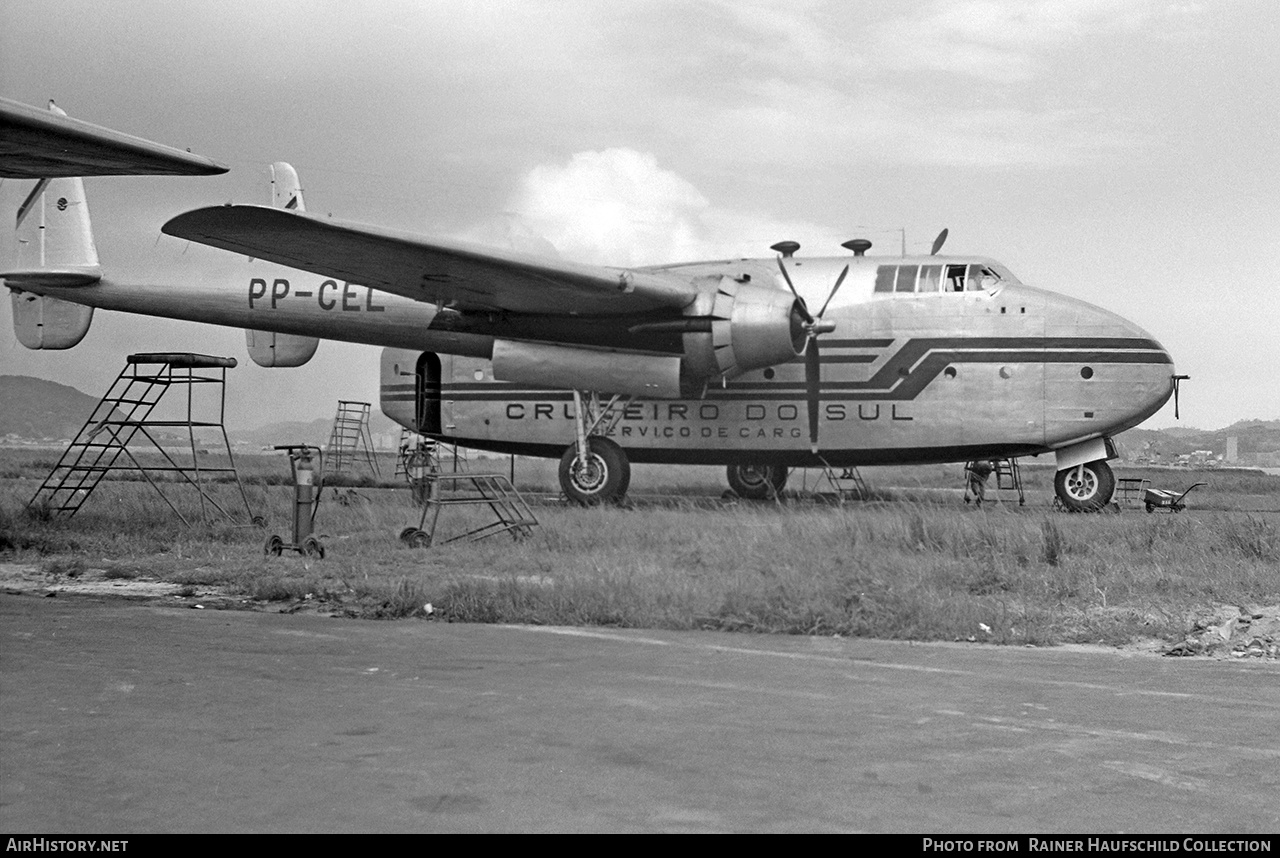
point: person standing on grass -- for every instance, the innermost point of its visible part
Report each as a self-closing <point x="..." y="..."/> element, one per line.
<point x="979" y="472"/>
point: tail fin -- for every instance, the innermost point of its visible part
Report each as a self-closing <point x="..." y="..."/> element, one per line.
<point x="268" y="348"/>
<point x="54" y="249"/>
<point x="286" y="193"/>
<point x="55" y="237"/>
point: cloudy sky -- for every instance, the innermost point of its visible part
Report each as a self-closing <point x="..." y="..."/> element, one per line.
<point x="1126" y="153"/>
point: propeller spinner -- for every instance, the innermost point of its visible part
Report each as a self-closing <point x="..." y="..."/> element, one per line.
<point x="813" y="326"/>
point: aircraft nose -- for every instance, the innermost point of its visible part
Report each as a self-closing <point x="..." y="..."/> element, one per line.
<point x="1113" y="375"/>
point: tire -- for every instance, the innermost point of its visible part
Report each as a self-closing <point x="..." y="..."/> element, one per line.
<point x="274" y="546"/>
<point x="312" y="547"/>
<point x="1085" y="489"/>
<point x="757" y="482"/>
<point x="603" y="478"/>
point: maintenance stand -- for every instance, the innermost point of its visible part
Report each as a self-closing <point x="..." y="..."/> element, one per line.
<point x="511" y="512"/>
<point x="127" y="410"/>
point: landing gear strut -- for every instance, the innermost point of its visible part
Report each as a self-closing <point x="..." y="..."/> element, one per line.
<point x="594" y="470"/>
<point x="1085" y="488"/>
<point x="757" y="482"/>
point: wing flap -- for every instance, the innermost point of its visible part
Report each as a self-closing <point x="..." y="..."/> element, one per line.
<point x="436" y="271"/>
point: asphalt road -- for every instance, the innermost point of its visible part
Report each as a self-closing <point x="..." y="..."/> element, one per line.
<point x="118" y="717"/>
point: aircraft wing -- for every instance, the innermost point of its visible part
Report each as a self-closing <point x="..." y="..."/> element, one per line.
<point x="448" y="273"/>
<point x="47" y="144"/>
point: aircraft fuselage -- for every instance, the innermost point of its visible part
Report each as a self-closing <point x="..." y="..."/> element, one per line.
<point x="944" y="370"/>
<point x="906" y="377"/>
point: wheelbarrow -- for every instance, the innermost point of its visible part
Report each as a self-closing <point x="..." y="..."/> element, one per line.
<point x="1164" y="499"/>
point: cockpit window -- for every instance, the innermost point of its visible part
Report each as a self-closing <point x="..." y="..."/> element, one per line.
<point x="935" y="278"/>
<point x="981" y="278"/>
<point x="885" y="275"/>
<point x="930" y="276"/>
<point x="906" y="278"/>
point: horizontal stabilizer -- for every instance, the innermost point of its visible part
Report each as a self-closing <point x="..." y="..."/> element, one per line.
<point x="52" y="278"/>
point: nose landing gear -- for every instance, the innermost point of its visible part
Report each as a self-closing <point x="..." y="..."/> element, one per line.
<point x="1085" y="488"/>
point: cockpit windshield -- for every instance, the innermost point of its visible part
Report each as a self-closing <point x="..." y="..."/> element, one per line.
<point x="971" y="277"/>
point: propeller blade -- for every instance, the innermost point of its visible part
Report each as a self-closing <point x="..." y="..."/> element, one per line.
<point x="834" y="289"/>
<point x="804" y="310"/>
<point x="938" y="242"/>
<point x="812" y="383"/>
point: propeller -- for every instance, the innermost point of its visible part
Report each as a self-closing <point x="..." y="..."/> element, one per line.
<point x="938" y="242"/>
<point x="813" y="326"/>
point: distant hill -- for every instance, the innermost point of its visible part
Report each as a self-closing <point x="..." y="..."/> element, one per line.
<point x="1257" y="442"/>
<point x="304" y="431"/>
<point x="35" y="409"/>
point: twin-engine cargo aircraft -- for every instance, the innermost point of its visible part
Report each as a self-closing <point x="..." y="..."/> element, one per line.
<point x="758" y="364"/>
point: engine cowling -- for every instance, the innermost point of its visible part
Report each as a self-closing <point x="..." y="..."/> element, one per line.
<point x="752" y="327"/>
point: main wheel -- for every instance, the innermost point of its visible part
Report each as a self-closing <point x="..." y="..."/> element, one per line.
<point x="603" y="477"/>
<point x="1085" y="488"/>
<point x="274" y="546"/>
<point x="757" y="482"/>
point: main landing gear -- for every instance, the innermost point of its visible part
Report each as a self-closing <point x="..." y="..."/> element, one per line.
<point x="757" y="482"/>
<point x="1085" y="488"/>
<point x="594" y="470"/>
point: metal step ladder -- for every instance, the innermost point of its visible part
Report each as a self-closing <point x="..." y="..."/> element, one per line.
<point x="1009" y="481"/>
<point x="847" y="483"/>
<point x="349" y="441"/>
<point x="511" y="512"/>
<point x="125" y="412"/>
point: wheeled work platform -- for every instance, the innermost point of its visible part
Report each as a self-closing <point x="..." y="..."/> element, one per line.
<point x="127" y="411"/>
<point x="511" y="512"/>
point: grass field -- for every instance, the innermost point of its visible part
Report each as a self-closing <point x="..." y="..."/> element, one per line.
<point x="913" y="562"/>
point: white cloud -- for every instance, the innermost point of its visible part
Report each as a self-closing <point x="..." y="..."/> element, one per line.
<point x="619" y="207"/>
<point x="614" y="207"/>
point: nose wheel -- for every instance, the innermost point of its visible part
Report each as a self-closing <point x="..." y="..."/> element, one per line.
<point x="1085" y="488"/>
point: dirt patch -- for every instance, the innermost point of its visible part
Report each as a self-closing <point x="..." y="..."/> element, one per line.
<point x="26" y="579"/>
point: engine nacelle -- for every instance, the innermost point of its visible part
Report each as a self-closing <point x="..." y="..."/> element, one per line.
<point x="553" y="366"/>
<point x="752" y="327"/>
